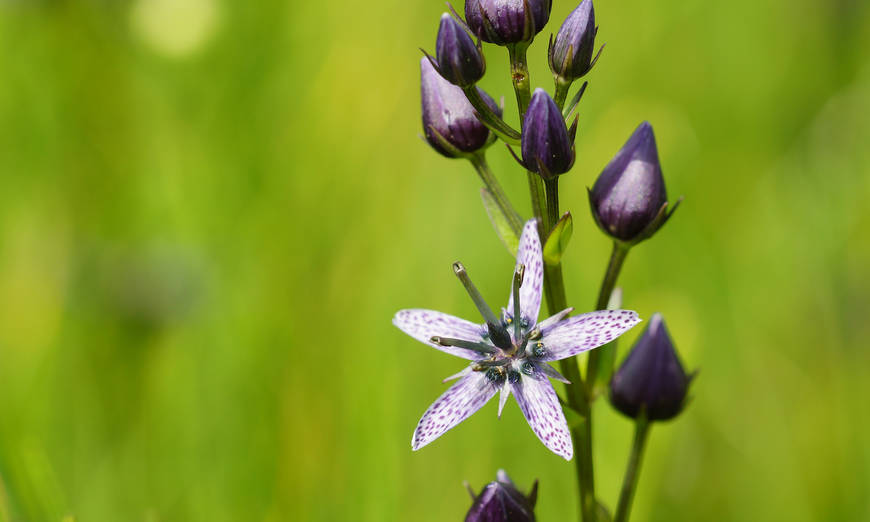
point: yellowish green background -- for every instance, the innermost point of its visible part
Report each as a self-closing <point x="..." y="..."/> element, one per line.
<point x="210" y="210"/>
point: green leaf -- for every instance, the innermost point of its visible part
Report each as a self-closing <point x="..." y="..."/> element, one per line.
<point x="558" y="240"/>
<point x="500" y="222"/>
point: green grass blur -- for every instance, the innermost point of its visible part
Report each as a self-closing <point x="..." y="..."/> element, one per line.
<point x="210" y="210"/>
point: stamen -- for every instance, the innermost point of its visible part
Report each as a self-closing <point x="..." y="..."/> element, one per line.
<point x="518" y="282"/>
<point x="538" y="350"/>
<point x="497" y="333"/>
<point x="459" y="343"/>
<point x="495" y="376"/>
<point x="491" y="364"/>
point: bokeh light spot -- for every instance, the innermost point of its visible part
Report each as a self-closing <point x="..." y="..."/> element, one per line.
<point x="175" y="28"/>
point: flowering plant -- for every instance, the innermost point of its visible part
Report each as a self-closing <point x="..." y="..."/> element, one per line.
<point x="509" y="352"/>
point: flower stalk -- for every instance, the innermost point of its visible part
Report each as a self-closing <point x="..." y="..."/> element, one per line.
<point x="614" y="267"/>
<point x="545" y="205"/>
<point x="581" y="434"/>
<point x="560" y="94"/>
<point x="489" y="180"/>
<point x="489" y="118"/>
<point x="632" y="471"/>
<point x="520" y="76"/>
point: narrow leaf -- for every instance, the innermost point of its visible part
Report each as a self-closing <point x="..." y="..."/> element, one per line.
<point x="500" y="222"/>
<point x="558" y="240"/>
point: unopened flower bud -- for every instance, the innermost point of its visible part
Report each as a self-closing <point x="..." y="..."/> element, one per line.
<point x="571" y="51"/>
<point x="507" y="21"/>
<point x="449" y="123"/>
<point x="628" y="199"/>
<point x="547" y="146"/>
<point x="651" y="380"/>
<point x="458" y="58"/>
<point x="500" y="501"/>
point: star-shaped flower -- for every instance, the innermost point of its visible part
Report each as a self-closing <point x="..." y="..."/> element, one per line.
<point x="510" y="353"/>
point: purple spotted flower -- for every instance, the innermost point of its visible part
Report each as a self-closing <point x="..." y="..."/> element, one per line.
<point x="510" y="353"/>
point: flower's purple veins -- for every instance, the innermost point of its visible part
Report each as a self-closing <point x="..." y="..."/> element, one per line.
<point x="540" y="406"/>
<point x="584" y="332"/>
<point x="516" y="362"/>
<point x="425" y="324"/>
<point x="462" y="399"/>
<point x="530" y="257"/>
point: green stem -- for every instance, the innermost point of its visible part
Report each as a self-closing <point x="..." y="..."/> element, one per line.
<point x="489" y="118"/>
<point x="520" y="76"/>
<point x="552" y="186"/>
<point x="581" y="435"/>
<point x="522" y="89"/>
<point x="536" y="191"/>
<point x="561" y="92"/>
<point x="617" y="258"/>
<point x="547" y="213"/>
<point x="629" y="483"/>
<point x="501" y="199"/>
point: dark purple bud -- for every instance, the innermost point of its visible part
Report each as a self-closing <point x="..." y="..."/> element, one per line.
<point x="547" y="147"/>
<point x="449" y="123"/>
<point x="651" y="379"/>
<point x="500" y="501"/>
<point x="571" y="51"/>
<point x="629" y="196"/>
<point x="459" y="59"/>
<point x="507" y="21"/>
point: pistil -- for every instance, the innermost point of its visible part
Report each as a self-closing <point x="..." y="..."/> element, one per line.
<point x="497" y="333"/>
<point x="460" y="343"/>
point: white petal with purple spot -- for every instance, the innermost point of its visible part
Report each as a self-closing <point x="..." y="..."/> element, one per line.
<point x="454" y="406"/>
<point x="548" y="323"/>
<point x="530" y="255"/>
<point x="540" y="405"/>
<point x="585" y="332"/>
<point x="425" y="324"/>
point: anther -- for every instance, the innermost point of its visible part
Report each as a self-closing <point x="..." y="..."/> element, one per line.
<point x="495" y="375"/>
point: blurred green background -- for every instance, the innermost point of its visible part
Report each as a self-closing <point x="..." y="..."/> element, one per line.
<point x="210" y="210"/>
